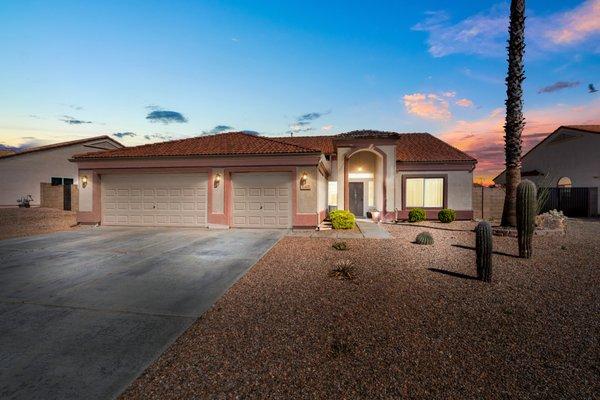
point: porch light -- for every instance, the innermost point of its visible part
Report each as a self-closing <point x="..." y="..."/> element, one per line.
<point x="304" y="185"/>
<point x="217" y="180"/>
<point x="84" y="181"/>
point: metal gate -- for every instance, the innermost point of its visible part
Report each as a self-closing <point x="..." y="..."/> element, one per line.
<point x="573" y="202"/>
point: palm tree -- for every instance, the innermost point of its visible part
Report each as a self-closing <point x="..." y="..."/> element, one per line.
<point x="514" y="110"/>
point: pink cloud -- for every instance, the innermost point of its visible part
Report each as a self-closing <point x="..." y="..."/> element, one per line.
<point x="428" y="106"/>
<point x="576" y="25"/>
<point x="464" y="103"/>
<point x="484" y="138"/>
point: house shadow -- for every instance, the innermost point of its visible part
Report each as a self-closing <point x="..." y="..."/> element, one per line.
<point x="452" y="273"/>
<point x="499" y="253"/>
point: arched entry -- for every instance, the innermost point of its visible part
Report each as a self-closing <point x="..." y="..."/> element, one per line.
<point x="365" y="181"/>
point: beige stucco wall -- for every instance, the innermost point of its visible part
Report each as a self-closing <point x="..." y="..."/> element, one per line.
<point x="460" y="185"/>
<point x="321" y="192"/>
<point x="85" y="193"/>
<point x="21" y="175"/>
<point x="577" y="158"/>
<point x="218" y="193"/>
<point x="390" y="178"/>
<point x="341" y="155"/>
<point x="307" y="199"/>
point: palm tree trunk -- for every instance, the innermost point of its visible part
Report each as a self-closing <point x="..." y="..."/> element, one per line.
<point x="513" y="128"/>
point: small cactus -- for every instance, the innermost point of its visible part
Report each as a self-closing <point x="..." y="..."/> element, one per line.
<point x="340" y="246"/>
<point x="424" y="238"/>
<point x="483" y="245"/>
<point x="526" y="212"/>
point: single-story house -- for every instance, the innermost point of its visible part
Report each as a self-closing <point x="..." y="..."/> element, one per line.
<point x="21" y="173"/>
<point x="569" y="157"/>
<point x="241" y="180"/>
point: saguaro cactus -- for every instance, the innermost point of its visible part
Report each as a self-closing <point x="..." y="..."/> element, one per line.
<point x="483" y="244"/>
<point x="526" y="211"/>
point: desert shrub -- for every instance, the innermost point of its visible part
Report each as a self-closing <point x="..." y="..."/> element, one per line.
<point x="342" y="219"/>
<point x="340" y="246"/>
<point x="416" y="215"/>
<point x="447" y="215"/>
<point x="424" y="238"/>
<point x="342" y="269"/>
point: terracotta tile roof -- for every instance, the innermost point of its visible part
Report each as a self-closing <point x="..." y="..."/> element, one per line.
<point x="585" y="128"/>
<point x="367" y="134"/>
<point x="61" y="144"/>
<point x="323" y="144"/>
<point x="411" y="147"/>
<point x="424" y="147"/>
<point x="231" y="143"/>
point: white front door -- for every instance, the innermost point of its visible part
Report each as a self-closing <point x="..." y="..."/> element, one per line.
<point x="262" y="200"/>
<point x="154" y="199"/>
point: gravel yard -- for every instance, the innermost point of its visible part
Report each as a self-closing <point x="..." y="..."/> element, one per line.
<point x="412" y="323"/>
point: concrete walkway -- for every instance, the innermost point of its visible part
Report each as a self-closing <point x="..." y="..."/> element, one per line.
<point x="82" y="313"/>
<point x="371" y="230"/>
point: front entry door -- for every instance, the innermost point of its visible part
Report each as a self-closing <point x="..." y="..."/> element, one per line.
<point x="356" y="190"/>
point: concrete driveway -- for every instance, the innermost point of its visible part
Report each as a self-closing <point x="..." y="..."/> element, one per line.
<point x="82" y="313"/>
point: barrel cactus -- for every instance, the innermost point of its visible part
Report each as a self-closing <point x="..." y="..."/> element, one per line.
<point x="424" y="238"/>
<point x="526" y="212"/>
<point x="483" y="244"/>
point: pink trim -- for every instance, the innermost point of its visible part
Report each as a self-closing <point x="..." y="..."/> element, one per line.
<point x="461" y="215"/>
<point x="94" y="216"/>
<point x="443" y="166"/>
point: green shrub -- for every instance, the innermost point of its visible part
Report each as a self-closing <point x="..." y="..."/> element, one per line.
<point x="416" y="215"/>
<point x="340" y="246"/>
<point x="447" y="215"/>
<point x="342" y="219"/>
<point x="424" y="238"/>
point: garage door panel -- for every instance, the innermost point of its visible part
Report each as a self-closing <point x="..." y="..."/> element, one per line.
<point x="155" y="199"/>
<point x="261" y="200"/>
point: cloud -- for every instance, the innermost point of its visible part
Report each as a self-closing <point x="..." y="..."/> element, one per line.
<point x="218" y="129"/>
<point x="464" y="103"/>
<point x="73" y="121"/>
<point x="486" y="33"/>
<point x="576" y="25"/>
<point x="26" y="143"/>
<point x="302" y="123"/>
<point x="326" y="128"/>
<point x="158" y="136"/>
<point x="312" y="116"/>
<point x="558" y="86"/>
<point x="251" y="132"/>
<point x="121" y="135"/>
<point x="483" y="138"/>
<point x="166" y="117"/>
<point x="428" y="106"/>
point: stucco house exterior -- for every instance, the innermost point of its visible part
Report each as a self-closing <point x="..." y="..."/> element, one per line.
<point x="569" y="157"/>
<point x="21" y="173"/>
<point x="241" y="180"/>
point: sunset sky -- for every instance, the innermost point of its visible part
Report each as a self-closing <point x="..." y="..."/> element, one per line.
<point x="150" y="71"/>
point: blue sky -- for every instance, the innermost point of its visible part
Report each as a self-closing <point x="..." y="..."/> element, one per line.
<point x="74" y="69"/>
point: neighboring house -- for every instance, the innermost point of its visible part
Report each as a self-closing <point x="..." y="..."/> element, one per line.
<point x="21" y="173"/>
<point x="569" y="157"/>
<point x="241" y="180"/>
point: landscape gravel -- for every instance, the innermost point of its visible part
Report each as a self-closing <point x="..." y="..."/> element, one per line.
<point x="413" y="323"/>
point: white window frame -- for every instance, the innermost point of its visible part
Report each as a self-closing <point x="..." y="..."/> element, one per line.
<point x="444" y="178"/>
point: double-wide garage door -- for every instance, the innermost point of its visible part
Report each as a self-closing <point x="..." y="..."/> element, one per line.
<point x="155" y="199"/>
<point x="262" y="200"/>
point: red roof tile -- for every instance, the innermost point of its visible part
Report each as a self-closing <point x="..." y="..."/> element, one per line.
<point x="424" y="147"/>
<point x="411" y="147"/>
<point x="231" y="143"/>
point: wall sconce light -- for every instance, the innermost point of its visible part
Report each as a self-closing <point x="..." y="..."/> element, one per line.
<point x="84" y="181"/>
<point x="304" y="185"/>
<point x="217" y="180"/>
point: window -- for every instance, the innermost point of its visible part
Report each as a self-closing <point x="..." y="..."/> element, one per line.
<point x="424" y="192"/>
<point x="332" y="193"/>
<point x="564" y="182"/>
<point x="56" y="181"/>
<point x="67" y="181"/>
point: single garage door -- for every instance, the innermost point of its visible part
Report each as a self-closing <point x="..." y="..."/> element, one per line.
<point x="262" y="200"/>
<point x="154" y="199"/>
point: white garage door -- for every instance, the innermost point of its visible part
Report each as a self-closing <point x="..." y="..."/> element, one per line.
<point x="262" y="200"/>
<point x="154" y="199"/>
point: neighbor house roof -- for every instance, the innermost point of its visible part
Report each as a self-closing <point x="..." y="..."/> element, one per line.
<point x="230" y="143"/>
<point x="583" y="128"/>
<point x="411" y="147"/>
<point x="61" y="144"/>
